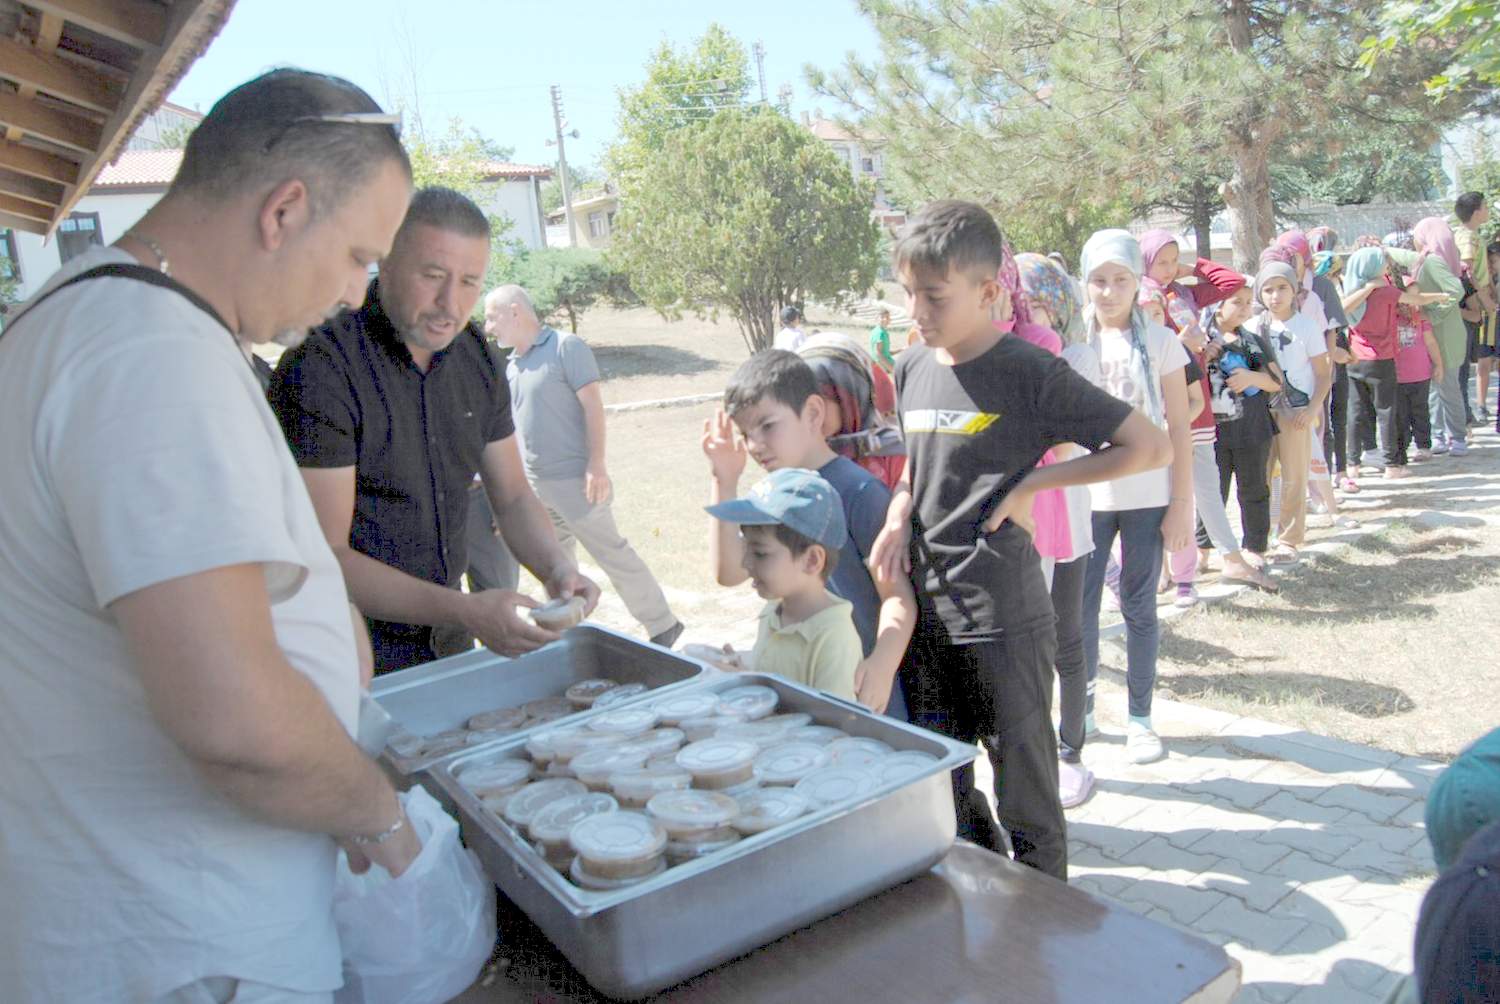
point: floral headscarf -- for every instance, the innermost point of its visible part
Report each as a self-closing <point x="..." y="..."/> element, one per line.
<point x="1009" y="276"/>
<point x="1367" y="241"/>
<point x="846" y="374"/>
<point x="1322" y="239"/>
<point x="1045" y="282"/>
<point x="1399" y="239"/>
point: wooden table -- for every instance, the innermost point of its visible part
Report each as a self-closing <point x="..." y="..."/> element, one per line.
<point x="977" y="928"/>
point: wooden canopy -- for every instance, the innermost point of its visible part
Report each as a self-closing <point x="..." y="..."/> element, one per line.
<point x="76" y="79"/>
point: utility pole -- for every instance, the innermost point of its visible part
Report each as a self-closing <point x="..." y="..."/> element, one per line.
<point x="562" y="164"/>
<point x="759" y="50"/>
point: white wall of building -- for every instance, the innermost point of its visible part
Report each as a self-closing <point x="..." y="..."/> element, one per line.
<point x="117" y="214"/>
<point x="519" y="201"/>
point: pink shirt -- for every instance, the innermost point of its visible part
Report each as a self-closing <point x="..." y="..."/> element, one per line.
<point x="1049" y="509"/>
<point x="1413" y="364"/>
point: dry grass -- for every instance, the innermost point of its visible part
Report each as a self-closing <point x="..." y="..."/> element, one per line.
<point x="1382" y="643"/>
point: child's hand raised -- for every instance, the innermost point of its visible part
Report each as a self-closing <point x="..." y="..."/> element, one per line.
<point x="724" y="448"/>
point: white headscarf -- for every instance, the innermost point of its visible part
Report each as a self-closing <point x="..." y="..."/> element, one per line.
<point x="1120" y="248"/>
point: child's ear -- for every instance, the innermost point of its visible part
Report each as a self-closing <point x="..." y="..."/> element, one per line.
<point x="989" y="292"/>
<point x="813" y="559"/>
<point x="812" y="412"/>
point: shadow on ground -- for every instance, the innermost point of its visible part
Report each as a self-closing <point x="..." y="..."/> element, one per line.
<point x="620" y="361"/>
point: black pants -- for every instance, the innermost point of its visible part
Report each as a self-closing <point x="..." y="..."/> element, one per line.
<point x="999" y="691"/>
<point x="1072" y="670"/>
<point x="1335" y="445"/>
<point x="1413" y="420"/>
<point x="1372" y="385"/>
<point x="1247" y="465"/>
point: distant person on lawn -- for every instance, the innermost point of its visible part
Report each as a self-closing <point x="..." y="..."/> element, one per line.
<point x="791" y="336"/>
<point x="559" y="412"/>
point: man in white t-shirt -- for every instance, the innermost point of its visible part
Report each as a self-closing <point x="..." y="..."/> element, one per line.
<point x="791" y="336"/>
<point x="179" y="681"/>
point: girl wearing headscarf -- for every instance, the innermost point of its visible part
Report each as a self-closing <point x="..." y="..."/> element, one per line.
<point x="852" y="423"/>
<point x="1322" y="241"/>
<point x="1370" y="300"/>
<point x="1242" y="378"/>
<point x="1141" y="364"/>
<point x="1052" y="299"/>
<point x="1302" y="357"/>
<point x="1435" y="268"/>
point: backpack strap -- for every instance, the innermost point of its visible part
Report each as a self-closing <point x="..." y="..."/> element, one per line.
<point x="139" y="273"/>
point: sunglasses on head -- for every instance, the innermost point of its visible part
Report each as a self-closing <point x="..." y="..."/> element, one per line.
<point x="390" y="119"/>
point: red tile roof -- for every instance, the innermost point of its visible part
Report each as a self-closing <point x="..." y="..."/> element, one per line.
<point x="502" y="169"/>
<point x="141" y="169"/>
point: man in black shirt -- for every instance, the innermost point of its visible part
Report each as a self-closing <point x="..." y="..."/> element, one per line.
<point x="390" y="410"/>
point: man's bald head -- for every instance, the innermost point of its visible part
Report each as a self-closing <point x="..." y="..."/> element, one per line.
<point x="510" y="318"/>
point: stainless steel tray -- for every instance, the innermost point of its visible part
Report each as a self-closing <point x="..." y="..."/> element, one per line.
<point x="635" y="941"/>
<point x="445" y="693"/>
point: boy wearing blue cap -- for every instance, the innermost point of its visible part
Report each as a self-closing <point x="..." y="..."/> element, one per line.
<point x="793" y="526"/>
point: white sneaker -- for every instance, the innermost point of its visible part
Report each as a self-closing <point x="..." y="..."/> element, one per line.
<point x="1458" y="448"/>
<point x="1142" y="745"/>
<point x="1074" y="783"/>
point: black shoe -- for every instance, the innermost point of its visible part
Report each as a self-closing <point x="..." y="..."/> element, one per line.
<point x="668" y="637"/>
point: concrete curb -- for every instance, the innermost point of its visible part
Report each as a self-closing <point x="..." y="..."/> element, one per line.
<point x="664" y="402"/>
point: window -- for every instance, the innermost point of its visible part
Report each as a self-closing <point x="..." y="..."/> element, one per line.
<point x="867" y="165"/>
<point x="10" y="262"/>
<point x="77" y="234"/>
<point x="598" y="227"/>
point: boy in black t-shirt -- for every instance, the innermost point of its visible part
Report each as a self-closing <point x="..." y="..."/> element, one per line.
<point x="979" y="410"/>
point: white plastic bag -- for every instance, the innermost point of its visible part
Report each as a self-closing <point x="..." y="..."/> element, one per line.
<point x="421" y="938"/>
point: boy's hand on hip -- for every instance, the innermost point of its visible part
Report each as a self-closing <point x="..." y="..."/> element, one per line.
<point x="1016" y="507"/>
<point x="723" y="447"/>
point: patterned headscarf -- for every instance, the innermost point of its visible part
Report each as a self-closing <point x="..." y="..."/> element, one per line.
<point x="1151" y="291"/>
<point x="1363" y="267"/>
<point x="846" y="374"/>
<point x="1010" y="277"/>
<point x="1298" y="242"/>
<point x="1322" y="239"/>
<point x="1437" y="239"/>
<point x="1399" y="239"/>
<point x="1323" y="262"/>
<point x="1045" y="282"/>
<point x="1367" y="241"/>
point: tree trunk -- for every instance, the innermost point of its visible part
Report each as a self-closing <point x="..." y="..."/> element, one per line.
<point x="1202" y="220"/>
<point x="1252" y="222"/>
<point x="572" y="318"/>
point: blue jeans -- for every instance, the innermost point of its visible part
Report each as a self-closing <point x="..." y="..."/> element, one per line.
<point x="1140" y="566"/>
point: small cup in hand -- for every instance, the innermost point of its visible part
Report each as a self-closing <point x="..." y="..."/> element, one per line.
<point x="559" y="614"/>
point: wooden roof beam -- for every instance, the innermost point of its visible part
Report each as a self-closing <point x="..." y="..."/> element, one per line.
<point x="26" y="209"/>
<point x="47" y="72"/>
<point x="38" y="164"/>
<point x="52" y="124"/>
<point x="140" y="23"/>
<point x="25" y="223"/>
<point x="35" y="189"/>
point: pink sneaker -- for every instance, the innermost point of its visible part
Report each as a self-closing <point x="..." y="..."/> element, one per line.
<point x="1075" y="783"/>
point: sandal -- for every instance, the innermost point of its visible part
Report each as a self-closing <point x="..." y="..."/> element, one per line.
<point x="1349" y="485"/>
<point x="1257" y="580"/>
<point x="1283" y="554"/>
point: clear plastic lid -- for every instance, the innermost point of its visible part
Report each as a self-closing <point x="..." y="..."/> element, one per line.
<point x="617" y="838"/>
<point x="692" y="811"/>
<point x="837" y="785"/>
<point x="858" y="752"/>
<point x="713" y="757"/>
<point x="569" y="744"/>
<point x="679" y="706"/>
<point x="768" y="808"/>
<point x="665" y="761"/>
<point x="542" y="746"/>
<point x="584" y="879"/>
<point x="706" y="726"/>
<point x="625" y="721"/>
<point x="789" y="763"/>
<point x="623" y="692"/>
<point x="641" y="784"/>
<point x="751" y="700"/>
<point x="820" y="734"/>
<point x="743" y="788"/>
<point x="656" y="742"/>
<point x="586" y="692"/>
<point x="496" y="777"/>
<point x="548" y="707"/>
<point x="526" y="803"/>
<point x="682" y="851"/>
<point x="899" y="766"/>
<point x="789" y="719"/>
<point x="552" y="823"/>
<point x="593" y="767"/>
<point x="499" y="718"/>
<point x="763" y="733"/>
<point x="445" y="742"/>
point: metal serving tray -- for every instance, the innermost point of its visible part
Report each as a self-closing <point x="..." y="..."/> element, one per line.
<point x="444" y="694"/>
<point x="635" y="941"/>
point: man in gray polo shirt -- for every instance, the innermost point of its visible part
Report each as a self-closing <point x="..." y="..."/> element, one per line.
<point x="559" y="416"/>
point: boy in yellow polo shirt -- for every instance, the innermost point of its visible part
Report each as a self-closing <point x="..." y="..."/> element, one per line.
<point x="793" y="526"/>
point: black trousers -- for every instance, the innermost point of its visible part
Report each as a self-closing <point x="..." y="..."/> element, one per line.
<point x="1247" y="465"/>
<point x="1413" y="419"/>
<point x="1072" y="670"/>
<point x="1372" y="403"/>
<point x="999" y="691"/>
<point x="1335" y="445"/>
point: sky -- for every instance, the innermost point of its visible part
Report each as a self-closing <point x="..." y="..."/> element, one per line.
<point x="491" y="62"/>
